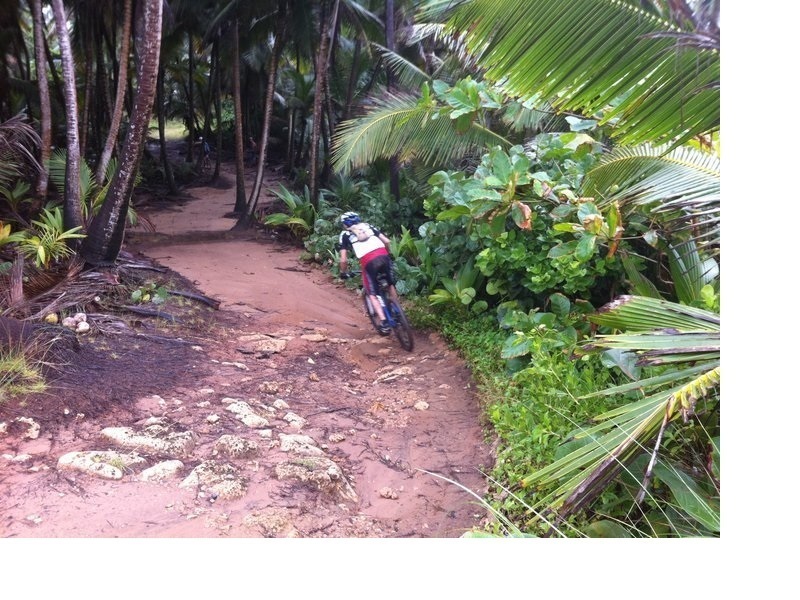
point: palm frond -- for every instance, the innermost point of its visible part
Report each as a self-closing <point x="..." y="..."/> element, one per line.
<point x="590" y="56"/>
<point x="680" y="188"/>
<point x="17" y="140"/>
<point x="400" y="126"/>
<point x="408" y="74"/>
<point x="620" y="435"/>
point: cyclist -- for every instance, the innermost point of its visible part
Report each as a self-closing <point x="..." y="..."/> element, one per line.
<point x="371" y="247"/>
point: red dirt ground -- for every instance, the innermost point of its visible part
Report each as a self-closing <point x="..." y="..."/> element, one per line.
<point x="357" y="391"/>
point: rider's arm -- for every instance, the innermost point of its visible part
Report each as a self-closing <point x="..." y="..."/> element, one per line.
<point x="386" y="241"/>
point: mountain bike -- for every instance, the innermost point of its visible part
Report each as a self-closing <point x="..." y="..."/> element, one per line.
<point x="395" y="316"/>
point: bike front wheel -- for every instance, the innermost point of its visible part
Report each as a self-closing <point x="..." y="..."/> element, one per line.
<point x="401" y="329"/>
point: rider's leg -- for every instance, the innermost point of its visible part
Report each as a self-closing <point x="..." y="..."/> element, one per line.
<point x="368" y="272"/>
<point x="376" y="304"/>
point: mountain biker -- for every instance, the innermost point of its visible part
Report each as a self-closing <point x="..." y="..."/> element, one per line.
<point x="371" y="247"/>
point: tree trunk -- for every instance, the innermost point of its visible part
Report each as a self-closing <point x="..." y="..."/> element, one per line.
<point x="246" y="218"/>
<point x="190" y="102"/>
<point x="107" y="229"/>
<point x="88" y="97"/>
<point x="44" y="98"/>
<point x="169" y="175"/>
<point x="240" y="206"/>
<point x="119" y="104"/>
<point x="319" y="92"/>
<point x="394" y="168"/>
<point x="215" y="100"/>
<point x="72" y="202"/>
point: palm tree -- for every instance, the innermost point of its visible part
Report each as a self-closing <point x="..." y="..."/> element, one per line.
<point x="106" y="231"/>
<point x="44" y="95"/>
<point x="72" y="207"/>
<point x="119" y="102"/>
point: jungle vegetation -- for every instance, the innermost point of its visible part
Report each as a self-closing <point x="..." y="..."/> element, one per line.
<point x="548" y="171"/>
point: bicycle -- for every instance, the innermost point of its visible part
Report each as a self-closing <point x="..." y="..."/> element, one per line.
<point x="203" y="168"/>
<point x="395" y="316"/>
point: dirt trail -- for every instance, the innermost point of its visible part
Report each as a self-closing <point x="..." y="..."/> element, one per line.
<point x="377" y="415"/>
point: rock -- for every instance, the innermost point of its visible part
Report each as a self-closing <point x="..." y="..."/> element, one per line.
<point x="155" y="438"/>
<point x="280" y="404"/>
<point x="394" y="374"/>
<point x="247" y="415"/>
<point x="269" y="387"/>
<point x="161" y="471"/>
<point x="232" y="446"/>
<point x="301" y="444"/>
<point x="260" y="345"/>
<point x="388" y="493"/>
<point x="320" y="471"/>
<point x="238" y="365"/>
<point x="421" y="405"/>
<point x="220" y="480"/>
<point x="337" y="437"/>
<point x="314" y="337"/>
<point x="272" y="523"/>
<point x="82" y="327"/>
<point x="105" y="464"/>
<point x="33" y="427"/>
<point x="294" y="420"/>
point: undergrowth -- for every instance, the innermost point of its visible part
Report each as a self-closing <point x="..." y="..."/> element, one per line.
<point x="20" y="374"/>
<point x="529" y="409"/>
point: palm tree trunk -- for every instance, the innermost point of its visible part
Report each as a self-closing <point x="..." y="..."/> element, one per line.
<point x="320" y="86"/>
<point x="240" y="206"/>
<point x="169" y="175"/>
<point x="190" y="101"/>
<point x="72" y="203"/>
<point x="215" y="100"/>
<point x="119" y="104"/>
<point x="107" y="229"/>
<point x="246" y="218"/>
<point x="46" y="132"/>
<point x="394" y="167"/>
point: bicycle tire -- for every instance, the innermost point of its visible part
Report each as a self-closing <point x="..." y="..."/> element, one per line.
<point x="402" y="329"/>
<point x="376" y="322"/>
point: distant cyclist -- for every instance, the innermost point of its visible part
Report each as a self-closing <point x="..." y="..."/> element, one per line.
<point x="371" y="247"/>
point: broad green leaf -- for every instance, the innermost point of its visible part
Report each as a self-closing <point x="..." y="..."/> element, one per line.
<point x="560" y="304"/>
<point x="691" y="498"/>
<point x="606" y="529"/>
<point x="467" y="295"/>
<point x="515" y="345"/>
<point x="562" y="249"/>
<point x="585" y="248"/>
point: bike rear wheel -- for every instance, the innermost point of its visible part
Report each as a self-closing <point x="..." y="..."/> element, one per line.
<point x="402" y="329"/>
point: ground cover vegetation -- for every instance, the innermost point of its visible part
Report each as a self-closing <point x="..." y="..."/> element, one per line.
<point x="547" y="171"/>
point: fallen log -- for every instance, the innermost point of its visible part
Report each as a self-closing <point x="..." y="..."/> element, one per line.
<point x="199" y="297"/>
<point x="147" y="312"/>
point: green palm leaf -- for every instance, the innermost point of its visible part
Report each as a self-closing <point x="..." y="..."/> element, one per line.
<point x="591" y="56"/>
<point x="400" y="126"/>
<point x="680" y="188"/>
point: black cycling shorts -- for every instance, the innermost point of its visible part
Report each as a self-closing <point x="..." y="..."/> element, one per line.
<point x="379" y="264"/>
